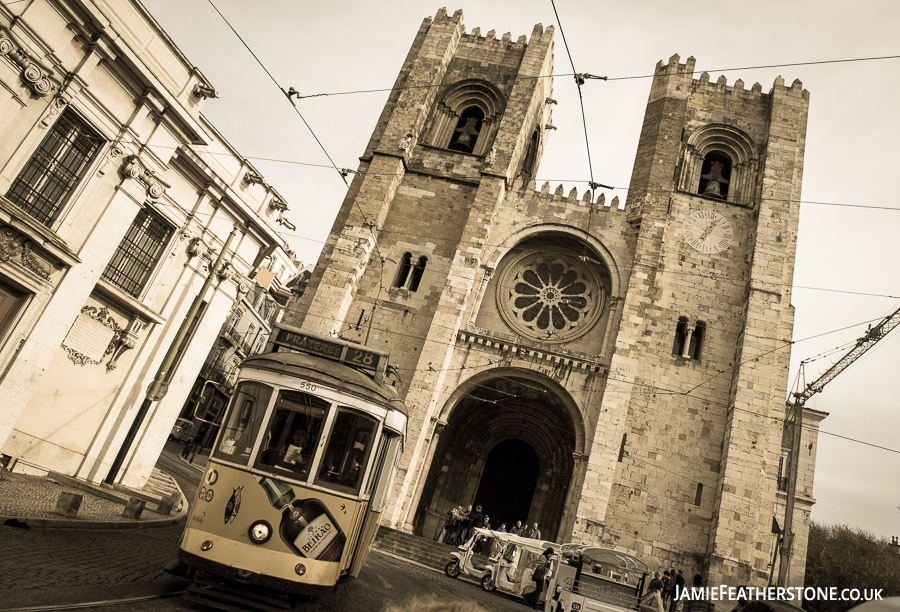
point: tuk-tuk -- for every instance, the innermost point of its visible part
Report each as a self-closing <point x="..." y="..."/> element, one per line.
<point x="509" y="569"/>
<point x="595" y="579"/>
<point x="462" y="561"/>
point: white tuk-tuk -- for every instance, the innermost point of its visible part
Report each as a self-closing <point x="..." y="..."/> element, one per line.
<point x="512" y="561"/>
<point x="594" y="579"/>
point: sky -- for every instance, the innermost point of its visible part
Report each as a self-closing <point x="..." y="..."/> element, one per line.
<point x="849" y="216"/>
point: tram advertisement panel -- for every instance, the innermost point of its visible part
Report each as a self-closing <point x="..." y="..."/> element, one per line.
<point x="307" y="522"/>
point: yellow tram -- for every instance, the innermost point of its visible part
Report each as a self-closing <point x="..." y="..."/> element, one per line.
<point x="301" y="470"/>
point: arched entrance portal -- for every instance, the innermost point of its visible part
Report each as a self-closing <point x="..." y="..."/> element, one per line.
<point x="509" y="447"/>
<point x="507" y="482"/>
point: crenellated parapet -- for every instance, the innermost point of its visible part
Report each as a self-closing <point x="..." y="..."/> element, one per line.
<point x="530" y="193"/>
<point x="720" y="86"/>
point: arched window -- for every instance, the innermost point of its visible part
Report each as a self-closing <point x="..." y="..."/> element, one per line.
<point x="530" y="160"/>
<point x="408" y="275"/>
<point x="466" y="117"/>
<point x="416" y="277"/>
<point x="719" y="157"/>
<point x="467" y="130"/>
<point x="680" y="336"/>
<point x="696" y="343"/>
<point x="688" y="340"/>
<point x="403" y="270"/>
<point x="714" y="175"/>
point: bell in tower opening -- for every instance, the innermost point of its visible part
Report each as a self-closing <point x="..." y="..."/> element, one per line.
<point x="714" y="176"/>
<point x="467" y="129"/>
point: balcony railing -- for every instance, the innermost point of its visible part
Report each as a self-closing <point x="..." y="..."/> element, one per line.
<point x="224" y="377"/>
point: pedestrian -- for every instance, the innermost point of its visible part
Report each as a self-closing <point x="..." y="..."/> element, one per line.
<point x="698" y="605"/>
<point x="476" y="519"/>
<point x="516" y="529"/>
<point x="676" y="589"/>
<point x="666" y="589"/>
<point x="463" y="525"/>
<point x="451" y="524"/>
<point x="534" y="532"/>
<point x="538" y="575"/>
<point x="656" y="584"/>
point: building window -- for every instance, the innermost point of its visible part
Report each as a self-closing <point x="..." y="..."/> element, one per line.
<point x="699" y="495"/>
<point x="680" y="337"/>
<point x="714" y="175"/>
<point x="58" y="164"/>
<point x="467" y="130"/>
<point x="688" y="340"/>
<point x="467" y="116"/>
<point x="719" y="161"/>
<point x="139" y="252"/>
<point x="408" y="275"/>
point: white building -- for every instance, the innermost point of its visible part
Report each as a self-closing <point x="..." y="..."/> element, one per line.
<point x="116" y="195"/>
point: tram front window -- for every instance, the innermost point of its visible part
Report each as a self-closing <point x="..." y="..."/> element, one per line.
<point x="246" y="414"/>
<point x="347" y="452"/>
<point x="293" y="433"/>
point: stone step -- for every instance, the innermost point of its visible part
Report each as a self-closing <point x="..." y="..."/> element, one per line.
<point x="421" y="550"/>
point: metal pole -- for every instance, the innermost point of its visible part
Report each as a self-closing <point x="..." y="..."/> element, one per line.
<point x="158" y="385"/>
<point x="787" y="539"/>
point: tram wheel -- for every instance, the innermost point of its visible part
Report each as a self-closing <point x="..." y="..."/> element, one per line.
<point x="487" y="582"/>
<point x="452" y="569"/>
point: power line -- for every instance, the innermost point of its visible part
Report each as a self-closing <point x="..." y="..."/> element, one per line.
<point x="622" y="78"/>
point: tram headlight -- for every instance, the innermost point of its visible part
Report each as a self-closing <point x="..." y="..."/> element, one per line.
<point x="300" y="569"/>
<point x="260" y="532"/>
<point x="206" y="545"/>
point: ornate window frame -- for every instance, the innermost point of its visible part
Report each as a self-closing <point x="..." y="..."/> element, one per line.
<point x="733" y="144"/>
<point x="456" y="100"/>
<point x="550" y="296"/>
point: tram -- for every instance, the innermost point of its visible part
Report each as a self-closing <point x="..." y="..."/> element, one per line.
<point x="291" y="497"/>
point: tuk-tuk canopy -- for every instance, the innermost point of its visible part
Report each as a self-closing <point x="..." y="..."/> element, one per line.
<point x="530" y="543"/>
<point x="615" y="560"/>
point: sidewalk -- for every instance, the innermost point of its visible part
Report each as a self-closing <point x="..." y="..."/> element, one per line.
<point x="31" y="501"/>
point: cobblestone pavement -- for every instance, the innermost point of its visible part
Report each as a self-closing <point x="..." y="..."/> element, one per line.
<point x="39" y="496"/>
<point x="383" y="582"/>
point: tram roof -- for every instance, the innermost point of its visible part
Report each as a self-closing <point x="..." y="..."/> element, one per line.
<point x="328" y="373"/>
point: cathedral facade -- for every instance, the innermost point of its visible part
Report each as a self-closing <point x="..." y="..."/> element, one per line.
<point x="613" y="372"/>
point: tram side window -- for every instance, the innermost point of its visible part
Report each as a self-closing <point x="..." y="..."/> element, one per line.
<point x="244" y="418"/>
<point x="347" y="452"/>
<point x="293" y="433"/>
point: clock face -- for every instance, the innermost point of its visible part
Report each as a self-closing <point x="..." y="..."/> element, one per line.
<point x="708" y="231"/>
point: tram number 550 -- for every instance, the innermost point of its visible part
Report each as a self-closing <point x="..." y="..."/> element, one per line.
<point x="305" y="386"/>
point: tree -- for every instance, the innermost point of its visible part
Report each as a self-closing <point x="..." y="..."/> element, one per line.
<point x="848" y="558"/>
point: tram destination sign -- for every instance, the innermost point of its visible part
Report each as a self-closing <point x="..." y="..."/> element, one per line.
<point x="342" y="352"/>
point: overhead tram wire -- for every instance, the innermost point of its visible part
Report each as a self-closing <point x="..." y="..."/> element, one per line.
<point x="609" y="78"/>
<point x="288" y="94"/>
<point x="659" y="390"/>
<point x="375" y="242"/>
<point x="579" y="81"/>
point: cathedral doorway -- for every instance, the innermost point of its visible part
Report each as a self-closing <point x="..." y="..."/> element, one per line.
<point x="507" y="482"/>
<point x="509" y="445"/>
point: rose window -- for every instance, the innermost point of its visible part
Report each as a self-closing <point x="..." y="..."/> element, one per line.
<point x="553" y="298"/>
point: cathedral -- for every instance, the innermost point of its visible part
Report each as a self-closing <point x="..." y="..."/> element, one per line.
<point x="615" y="372"/>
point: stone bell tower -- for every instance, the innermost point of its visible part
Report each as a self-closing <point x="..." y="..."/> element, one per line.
<point x="465" y="119"/>
<point x="703" y="350"/>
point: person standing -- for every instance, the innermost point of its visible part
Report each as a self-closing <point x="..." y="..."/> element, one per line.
<point x="666" y="589"/>
<point x="676" y="589"/>
<point x="700" y="604"/>
<point x="465" y="522"/>
<point x="534" y="532"/>
<point x="476" y="519"/>
<point x="538" y="575"/>
<point x="516" y="529"/>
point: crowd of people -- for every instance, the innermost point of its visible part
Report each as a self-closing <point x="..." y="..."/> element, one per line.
<point x="459" y="523"/>
<point x="669" y="586"/>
